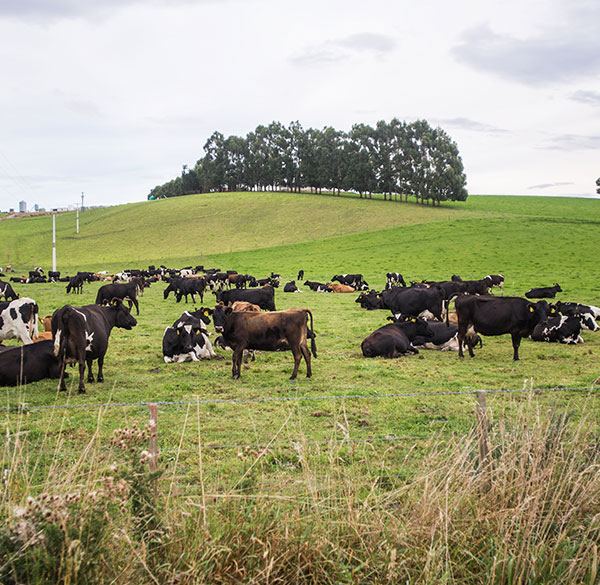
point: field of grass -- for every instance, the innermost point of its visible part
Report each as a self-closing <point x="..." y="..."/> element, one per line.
<point x="365" y="419"/>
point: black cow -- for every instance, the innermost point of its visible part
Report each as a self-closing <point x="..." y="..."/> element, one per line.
<point x="394" y="340"/>
<point x="76" y="284"/>
<point x="370" y="301"/>
<point x="263" y="297"/>
<point x="354" y="280"/>
<point x="413" y="301"/>
<point x="53" y="275"/>
<point x="317" y="286"/>
<point x="545" y="292"/>
<point x="276" y="331"/>
<point x="562" y="329"/>
<point x="291" y="287"/>
<point x="394" y="279"/>
<point x="190" y="286"/>
<point x="124" y="291"/>
<point x="7" y="291"/>
<point x="490" y="315"/>
<point x="81" y="335"/>
<point x="300" y="275"/>
<point x="28" y="363"/>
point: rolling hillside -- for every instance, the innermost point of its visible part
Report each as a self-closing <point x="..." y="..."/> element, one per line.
<point x="551" y="238"/>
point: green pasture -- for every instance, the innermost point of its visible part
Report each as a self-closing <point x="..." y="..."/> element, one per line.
<point x="532" y="241"/>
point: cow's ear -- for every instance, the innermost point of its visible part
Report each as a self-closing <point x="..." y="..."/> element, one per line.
<point x="390" y="318"/>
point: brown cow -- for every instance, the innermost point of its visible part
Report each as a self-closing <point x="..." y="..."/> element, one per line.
<point x="238" y="306"/>
<point x="273" y="331"/>
<point x="340" y="288"/>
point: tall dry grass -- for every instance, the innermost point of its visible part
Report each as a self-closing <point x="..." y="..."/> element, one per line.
<point x="531" y="516"/>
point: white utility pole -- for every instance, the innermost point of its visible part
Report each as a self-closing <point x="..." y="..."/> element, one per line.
<point x="54" y="242"/>
<point x="78" y="220"/>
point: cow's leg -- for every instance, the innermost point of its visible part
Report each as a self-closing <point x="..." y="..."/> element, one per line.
<point x="100" y="366"/>
<point x="237" y="363"/>
<point x="137" y="306"/>
<point x="306" y="354"/>
<point x="516" y="341"/>
<point x="90" y="377"/>
<point x="297" y="359"/>
<point x="81" y="388"/>
<point x="61" y="384"/>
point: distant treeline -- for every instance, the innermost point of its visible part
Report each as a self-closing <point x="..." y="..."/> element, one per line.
<point x="393" y="158"/>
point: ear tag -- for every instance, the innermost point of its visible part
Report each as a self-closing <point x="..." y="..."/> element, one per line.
<point x="205" y="313"/>
<point x="177" y="331"/>
<point x="531" y="309"/>
<point x="414" y="320"/>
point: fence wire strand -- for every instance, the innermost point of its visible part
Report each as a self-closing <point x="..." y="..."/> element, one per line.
<point x="145" y="403"/>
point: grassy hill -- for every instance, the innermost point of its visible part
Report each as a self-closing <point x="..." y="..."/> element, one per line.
<point x="531" y="240"/>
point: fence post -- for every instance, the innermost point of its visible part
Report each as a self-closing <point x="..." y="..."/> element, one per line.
<point x="153" y="436"/>
<point x="483" y="440"/>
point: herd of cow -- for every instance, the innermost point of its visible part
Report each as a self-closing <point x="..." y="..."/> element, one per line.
<point x="245" y="319"/>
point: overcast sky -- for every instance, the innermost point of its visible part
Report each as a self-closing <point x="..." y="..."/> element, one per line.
<point x="112" y="97"/>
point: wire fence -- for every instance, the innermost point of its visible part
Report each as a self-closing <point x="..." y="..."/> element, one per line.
<point x="145" y="403"/>
<point x="276" y="481"/>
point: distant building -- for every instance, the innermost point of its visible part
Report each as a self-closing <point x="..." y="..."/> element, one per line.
<point x="22" y="206"/>
<point x="36" y="207"/>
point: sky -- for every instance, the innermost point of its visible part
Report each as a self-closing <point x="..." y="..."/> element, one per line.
<point x="111" y="98"/>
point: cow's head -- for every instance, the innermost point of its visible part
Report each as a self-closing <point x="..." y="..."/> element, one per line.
<point x="219" y="314"/>
<point x="124" y="319"/>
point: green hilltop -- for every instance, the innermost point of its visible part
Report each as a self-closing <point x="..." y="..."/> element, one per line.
<point x="534" y="239"/>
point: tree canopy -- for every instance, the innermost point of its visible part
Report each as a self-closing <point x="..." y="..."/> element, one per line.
<point x="394" y="158"/>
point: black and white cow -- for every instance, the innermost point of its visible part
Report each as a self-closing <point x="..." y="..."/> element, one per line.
<point x="81" y="336"/>
<point x="356" y="281"/>
<point x="563" y="328"/>
<point x="187" y="339"/>
<point x="578" y="308"/>
<point x="7" y="291"/>
<point x="394" y="279"/>
<point x="545" y="292"/>
<point x="445" y="337"/>
<point x="317" y="286"/>
<point x="493" y="280"/>
<point x="19" y="320"/>
<point x="28" y="363"/>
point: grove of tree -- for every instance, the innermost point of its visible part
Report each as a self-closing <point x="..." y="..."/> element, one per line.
<point x="393" y="158"/>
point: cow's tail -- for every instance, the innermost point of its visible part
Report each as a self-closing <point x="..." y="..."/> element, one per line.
<point x="311" y="330"/>
<point x="448" y="301"/>
<point x="60" y="335"/>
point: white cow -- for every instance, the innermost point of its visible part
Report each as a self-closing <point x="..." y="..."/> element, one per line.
<point x="19" y="320"/>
